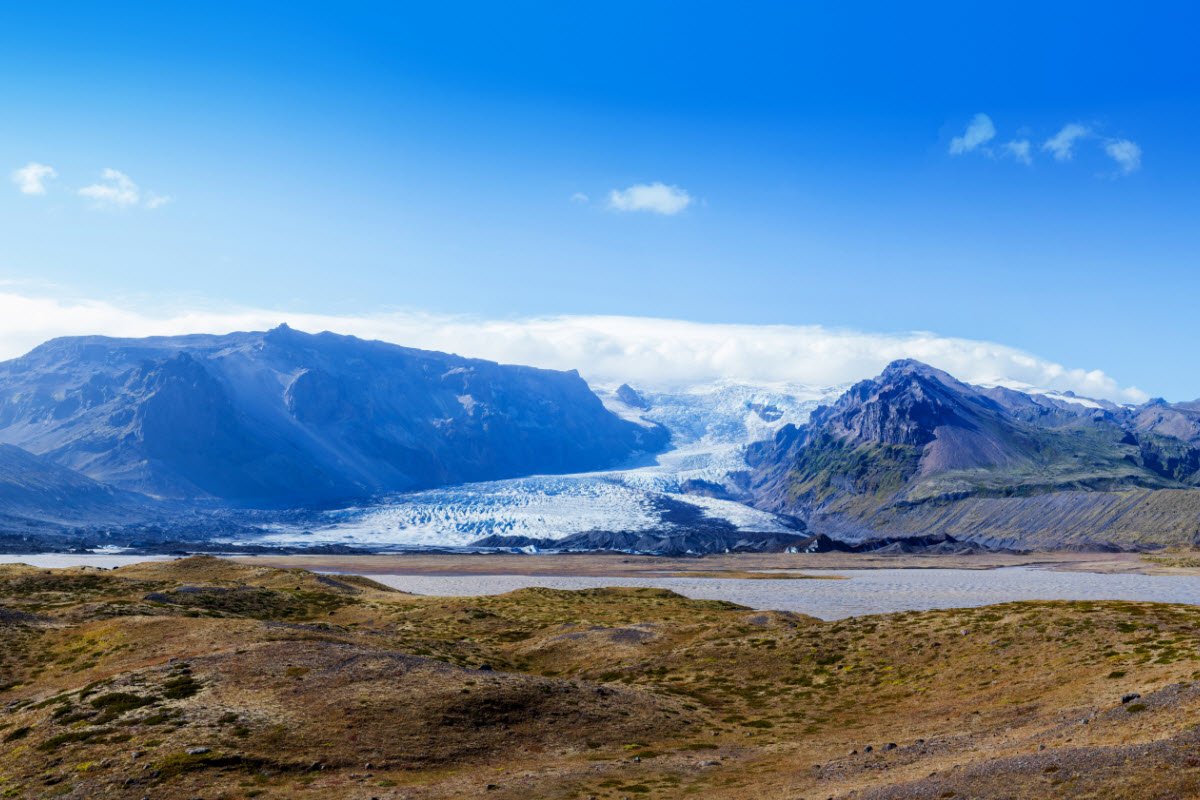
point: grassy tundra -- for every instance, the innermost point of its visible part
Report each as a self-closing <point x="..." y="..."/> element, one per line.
<point x="205" y="678"/>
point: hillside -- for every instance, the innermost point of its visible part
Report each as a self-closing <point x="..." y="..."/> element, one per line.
<point x="39" y="496"/>
<point x="916" y="451"/>
<point x="202" y="678"/>
<point x="285" y="418"/>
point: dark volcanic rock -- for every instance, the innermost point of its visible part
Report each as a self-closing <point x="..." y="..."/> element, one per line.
<point x="679" y="543"/>
<point x="630" y="397"/>
<point x="711" y="541"/>
<point x="821" y="544"/>
<point x="766" y="412"/>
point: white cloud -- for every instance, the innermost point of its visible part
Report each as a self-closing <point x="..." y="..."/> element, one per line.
<point x="31" y="178"/>
<point x="655" y="197"/>
<point x="117" y="190"/>
<point x="157" y="200"/>
<point x="1062" y="144"/>
<point x="979" y="132"/>
<point x="579" y="197"/>
<point x="652" y="353"/>
<point x="1019" y="150"/>
<point x="1126" y="153"/>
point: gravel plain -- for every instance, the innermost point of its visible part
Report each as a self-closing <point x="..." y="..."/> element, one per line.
<point x="872" y="591"/>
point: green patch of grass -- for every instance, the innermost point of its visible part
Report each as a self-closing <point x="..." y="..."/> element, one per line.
<point x="182" y="687"/>
<point x="178" y="764"/>
<point x="19" y="733"/>
<point x="116" y="704"/>
<point x="55" y="742"/>
<point x="161" y="718"/>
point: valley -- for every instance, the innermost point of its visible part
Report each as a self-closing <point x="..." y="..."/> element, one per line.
<point x="599" y="401"/>
<point x="284" y="440"/>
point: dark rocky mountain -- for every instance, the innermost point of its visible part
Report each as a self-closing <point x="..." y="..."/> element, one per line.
<point x="916" y="451"/>
<point x="285" y="418"/>
<point x="631" y="397"/>
<point x="181" y="438"/>
<point x="45" y="506"/>
<point x="39" y="493"/>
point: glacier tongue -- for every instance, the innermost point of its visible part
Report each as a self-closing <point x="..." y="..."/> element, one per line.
<point x="710" y="426"/>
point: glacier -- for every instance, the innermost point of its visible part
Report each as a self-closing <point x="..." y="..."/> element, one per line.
<point x="710" y="425"/>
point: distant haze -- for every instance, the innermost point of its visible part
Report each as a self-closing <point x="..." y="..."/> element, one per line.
<point x="647" y="352"/>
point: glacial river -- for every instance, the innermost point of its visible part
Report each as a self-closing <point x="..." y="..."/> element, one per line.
<point x="866" y="591"/>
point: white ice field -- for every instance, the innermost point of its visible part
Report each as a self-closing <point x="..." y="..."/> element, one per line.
<point x="710" y="427"/>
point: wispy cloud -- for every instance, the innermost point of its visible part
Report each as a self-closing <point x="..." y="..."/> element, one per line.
<point x="1019" y="150"/>
<point x="657" y="198"/>
<point x="157" y="200"/>
<point x="1062" y="144"/>
<point x="1126" y="153"/>
<point x="647" y="352"/>
<point x="31" y="178"/>
<point x="117" y="190"/>
<point x="979" y="131"/>
<point x="579" y="197"/>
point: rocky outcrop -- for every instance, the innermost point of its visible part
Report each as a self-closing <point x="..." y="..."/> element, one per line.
<point x="631" y="397"/>
<point x="682" y="542"/>
<point x="694" y="543"/>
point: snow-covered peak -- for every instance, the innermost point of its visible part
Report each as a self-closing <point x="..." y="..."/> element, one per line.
<point x="722" y="412"/>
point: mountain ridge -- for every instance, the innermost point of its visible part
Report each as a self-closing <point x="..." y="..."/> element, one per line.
<point x="898" y="452"/>
<point x="288" y="418"/>
<point x="374" y="444"/>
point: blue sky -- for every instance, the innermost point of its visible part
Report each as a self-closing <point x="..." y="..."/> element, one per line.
<point x="354" y="160"/>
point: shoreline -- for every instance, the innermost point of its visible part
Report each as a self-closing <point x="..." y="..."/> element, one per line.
<point x="734" y="565"/>
<point x="758" y="566"/>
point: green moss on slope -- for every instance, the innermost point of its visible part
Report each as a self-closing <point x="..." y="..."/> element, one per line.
<point x="829" y="466"/>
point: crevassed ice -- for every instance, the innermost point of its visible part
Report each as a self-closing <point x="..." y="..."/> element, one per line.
<point x="710" y="426"/>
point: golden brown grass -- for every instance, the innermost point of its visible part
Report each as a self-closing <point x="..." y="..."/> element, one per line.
<point x="285" y="684"/>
